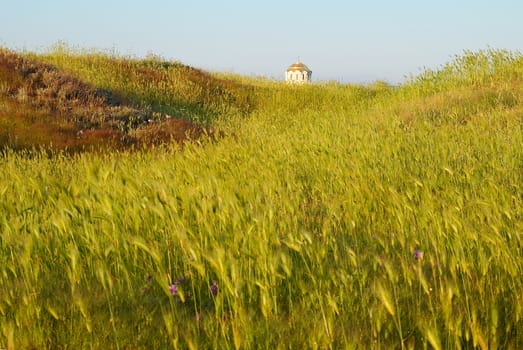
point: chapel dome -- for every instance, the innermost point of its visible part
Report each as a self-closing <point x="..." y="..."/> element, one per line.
<point x="298" y="67"/>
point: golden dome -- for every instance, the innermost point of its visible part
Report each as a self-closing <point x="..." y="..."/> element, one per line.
<point x="298" y="67"/>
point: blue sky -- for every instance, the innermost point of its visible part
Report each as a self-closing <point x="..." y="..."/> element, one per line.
<point x="348" y="41"/>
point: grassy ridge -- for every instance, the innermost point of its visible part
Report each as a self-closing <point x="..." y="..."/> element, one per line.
<point x="168" y="87"/>
<point x="337" y="216"/>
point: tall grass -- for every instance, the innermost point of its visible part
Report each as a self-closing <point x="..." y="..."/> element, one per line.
<point x="334" y="217"/>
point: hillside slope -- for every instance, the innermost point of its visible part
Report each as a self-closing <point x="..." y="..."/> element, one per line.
<point x="62" y="101"/>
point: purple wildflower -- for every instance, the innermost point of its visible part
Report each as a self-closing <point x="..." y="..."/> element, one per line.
<point x="214" y="288"/>
<point x="173" y="289"/>
<point x="418" y="254"/>
<point x="180" y="280"/>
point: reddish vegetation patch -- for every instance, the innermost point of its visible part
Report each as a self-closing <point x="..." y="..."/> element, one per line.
<point x="42" y="106"/>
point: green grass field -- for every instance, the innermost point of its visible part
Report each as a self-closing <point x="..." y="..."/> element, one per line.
<point x="324" y="216"/>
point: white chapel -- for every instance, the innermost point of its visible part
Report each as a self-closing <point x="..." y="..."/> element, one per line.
<point x="298" y="73"/>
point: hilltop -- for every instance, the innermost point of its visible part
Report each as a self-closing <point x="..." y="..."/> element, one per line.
<point x="76" y="99"/>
